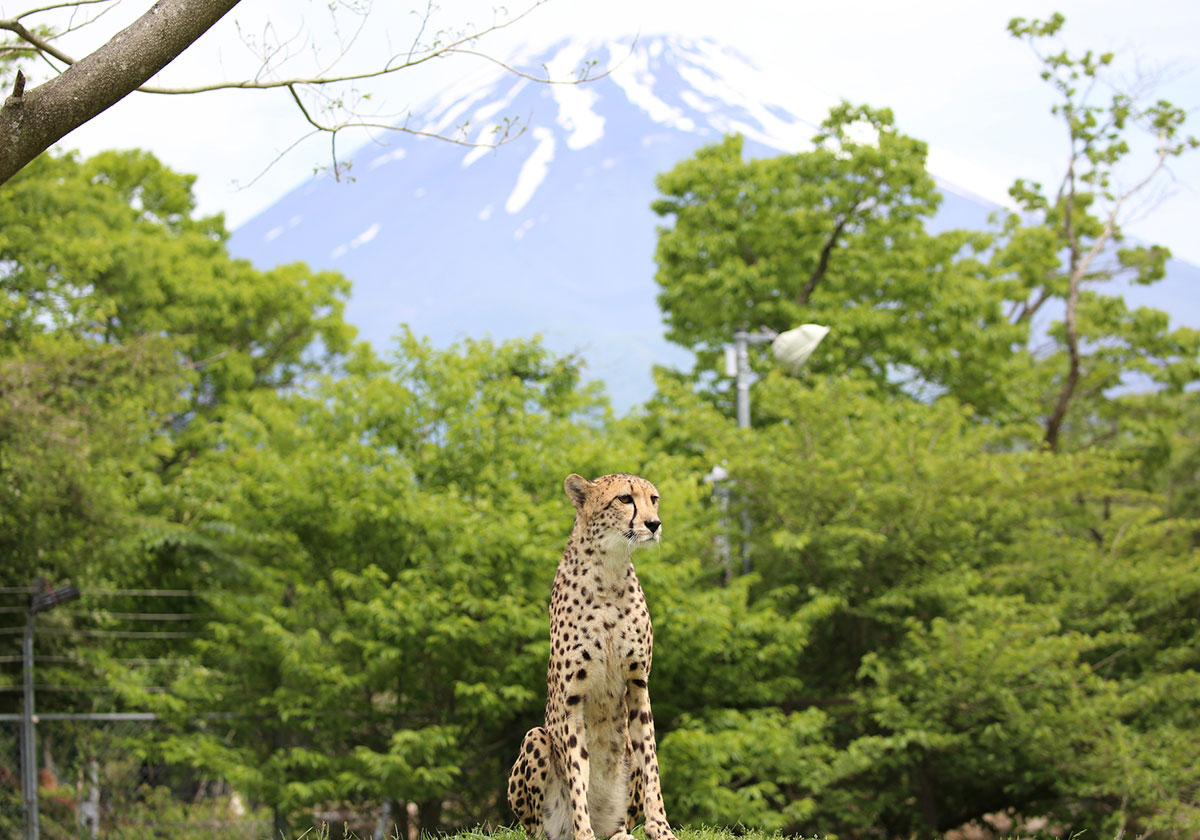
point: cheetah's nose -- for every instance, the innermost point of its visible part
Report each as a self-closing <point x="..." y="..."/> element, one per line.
<point x="653" y="524"/>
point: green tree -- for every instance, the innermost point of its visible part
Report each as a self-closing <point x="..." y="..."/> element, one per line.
<point x="127" y="333"/>
<point x="833" y="235"/>
<point x="77" y="433"/>
<point x="1013" y="321"/>
<point x="396" y="531"/>
<point x="1062" y="245"/>
<point x="995" y="629"/>
<point x="108" y="249"/>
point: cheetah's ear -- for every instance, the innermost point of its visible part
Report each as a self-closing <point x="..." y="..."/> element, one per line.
<point x="577" y="488"/>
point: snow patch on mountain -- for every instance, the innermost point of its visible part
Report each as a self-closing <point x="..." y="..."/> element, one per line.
<point x="366" y="236"/>
<point x="493" y="108"/>
<point x="762" y="125"/>
<point x="696" y="102"/>
<point x="387" y="157"/>
<point x="954" y="170"/>
<point x="631" y="72"/>
<point x="575" y="101"/>
<point x="483" y="148"/>
<point x="533" y="171"/>
<point x="776" y="107"/>
<point x="357" y="242"/>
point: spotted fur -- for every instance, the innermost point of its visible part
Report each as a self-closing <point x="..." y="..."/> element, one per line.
<point x="592" y="770"/>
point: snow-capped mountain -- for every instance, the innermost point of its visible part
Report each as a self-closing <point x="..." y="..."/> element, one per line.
<point x="551" y="233"/>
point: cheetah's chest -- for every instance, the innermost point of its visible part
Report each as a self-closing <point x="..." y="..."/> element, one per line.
<point x="617" y="643"/>
<point x="600" y="634"/>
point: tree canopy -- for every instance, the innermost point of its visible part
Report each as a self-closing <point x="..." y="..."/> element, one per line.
<point x="1014" y="320"/>
<point x="834" y="235"/>
<point x="963" y="602"/>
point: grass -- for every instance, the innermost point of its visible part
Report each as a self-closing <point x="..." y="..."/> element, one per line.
<point x="681" y="833"/>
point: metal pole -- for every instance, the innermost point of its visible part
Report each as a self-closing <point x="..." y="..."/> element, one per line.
<point x="722" y="494"/>
<point x="809" y="336"/>
<point x="719" y="478"/>
<point x="743" y="378"/>
<point x="89" y="811"/>
<point x="741" y="341"/>
<point x="29" y="769"/>
<point x="385" y="819"/>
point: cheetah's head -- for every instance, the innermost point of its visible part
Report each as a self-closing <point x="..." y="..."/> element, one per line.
<point x="620" y="511"/>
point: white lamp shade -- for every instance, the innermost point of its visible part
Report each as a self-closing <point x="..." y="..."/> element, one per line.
<point x="792" y="348"/>
<point x="730" y="360"/>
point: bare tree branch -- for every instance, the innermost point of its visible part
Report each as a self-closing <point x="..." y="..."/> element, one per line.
<point x="585" y="76"/>
<point x="272" y="52"/>
<point x="70" y="4"/>
<point x="30" y="124"/>
<point x="15" y="26"/>
<point x="401" y="61"/>
<point x="389" y="68"/>
<point x="1024" y="310"/>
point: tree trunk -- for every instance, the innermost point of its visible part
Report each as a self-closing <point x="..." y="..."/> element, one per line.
<point x="281" y="825"/>
<point x="31" y="121"/>
<point x="400" y="820"/>
<point x="429" y="816"/>
<point x="1054" y="424"/>
<point x="928" y="796"/>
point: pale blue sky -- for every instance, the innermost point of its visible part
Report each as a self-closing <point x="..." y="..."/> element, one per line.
<point x="947" y="68"/>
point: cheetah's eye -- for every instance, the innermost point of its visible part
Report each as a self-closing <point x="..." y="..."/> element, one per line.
<point x="654" y="500"/>
<point x="626" y="499"/>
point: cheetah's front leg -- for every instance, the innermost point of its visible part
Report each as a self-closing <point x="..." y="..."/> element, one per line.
<point x="575" y="756"/>
<point x="645" y="751"/>
<point x="633" y="804"/>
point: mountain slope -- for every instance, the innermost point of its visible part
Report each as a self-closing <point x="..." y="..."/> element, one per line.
<point x="553" y="232"/>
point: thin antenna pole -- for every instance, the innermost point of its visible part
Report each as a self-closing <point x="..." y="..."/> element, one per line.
<point x="29" y="769"/>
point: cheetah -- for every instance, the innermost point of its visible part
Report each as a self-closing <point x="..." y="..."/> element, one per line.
<point x="592" y="770"/>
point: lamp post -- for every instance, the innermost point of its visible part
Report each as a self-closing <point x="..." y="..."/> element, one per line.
<point x="791" y="349"/>
<point x="719" y="479"/>
<point x="741" y="370"/>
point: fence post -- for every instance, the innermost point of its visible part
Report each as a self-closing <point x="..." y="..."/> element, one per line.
<point x="29" y="768"/>
<point x="89" y="811"/>
<point x="42" y="598"/>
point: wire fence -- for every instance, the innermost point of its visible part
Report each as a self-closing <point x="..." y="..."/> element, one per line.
<point x="103" y="779"/>
<point x="100" y="775"/>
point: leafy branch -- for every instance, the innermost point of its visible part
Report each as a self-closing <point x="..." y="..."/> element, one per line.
<point x="1089" y="204"/>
